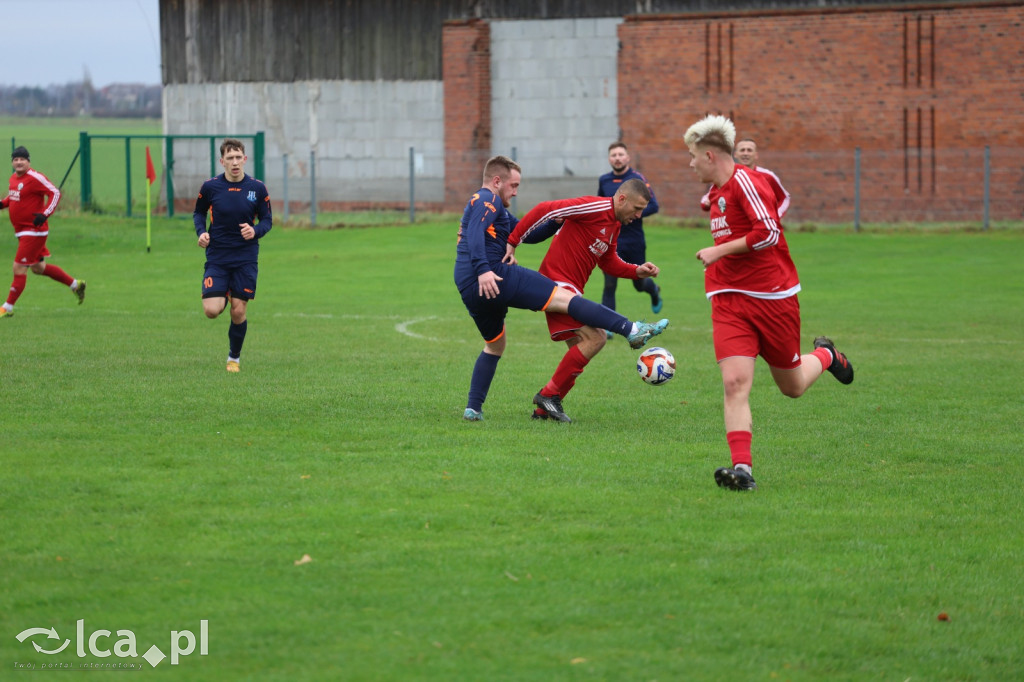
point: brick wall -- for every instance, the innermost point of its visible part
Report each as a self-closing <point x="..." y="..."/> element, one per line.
<point x="921" y="90"/>
<point x="467" y="107"/>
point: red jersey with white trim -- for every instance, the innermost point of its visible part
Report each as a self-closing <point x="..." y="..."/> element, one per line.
<point x="587" y="238"/>
<point x="782" y="195"/>
<point x="744" y="207"/>
<point x="27" y="195"/>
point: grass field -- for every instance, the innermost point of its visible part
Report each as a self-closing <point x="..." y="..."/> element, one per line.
<point x="146" y="490"/>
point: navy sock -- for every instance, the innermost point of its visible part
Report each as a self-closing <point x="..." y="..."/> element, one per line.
<point x="599" y="317"/>
<point x="236" y="336"/>
<point x="480" y="384"/>
<point x="649" y="287"/>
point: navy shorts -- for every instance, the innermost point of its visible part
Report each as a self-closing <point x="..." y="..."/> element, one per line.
<point x="239" y="279"/>
<point x="520" y="288"/>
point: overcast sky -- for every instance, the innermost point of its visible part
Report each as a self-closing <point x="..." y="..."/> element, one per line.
<point x="57" y="41"/>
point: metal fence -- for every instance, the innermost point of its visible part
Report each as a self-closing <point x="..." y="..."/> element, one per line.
<point x="975" y="187"/>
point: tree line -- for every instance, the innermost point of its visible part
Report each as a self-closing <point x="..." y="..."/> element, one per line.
<point x="121" y="100"/>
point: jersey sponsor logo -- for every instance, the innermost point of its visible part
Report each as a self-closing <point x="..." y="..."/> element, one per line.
<point x="721" y="204"/>
<point x="720" y="228"/>
<point x="234" y="189"/>
<point x="598" y="248"/>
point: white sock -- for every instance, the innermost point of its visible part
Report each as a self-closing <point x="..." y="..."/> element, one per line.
<point x="744" y="467"/>
<point x="634" y="330"/>
<point x="231" y="359"/>
<point x="74" y="285"/>
<point x="8" y="307"/>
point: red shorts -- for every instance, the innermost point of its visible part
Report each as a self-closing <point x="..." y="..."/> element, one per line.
<point x="31" y="250"/>
<point x="563" y="326"/>
<point x="745" y="326"/>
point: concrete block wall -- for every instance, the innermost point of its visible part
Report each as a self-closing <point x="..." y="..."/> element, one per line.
<point x="360" y="131"/>
<point x="555" y="100"/>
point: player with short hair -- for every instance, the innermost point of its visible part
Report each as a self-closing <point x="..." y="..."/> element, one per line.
<point x="490" y="284"/>
<point x="632" y="245"/>
<point x="586" y="238"/>
<point x="240" y="216"/>
<point x="32" y="199"/>
<point x="746" y="154"/>
<point x="752" y="284"/>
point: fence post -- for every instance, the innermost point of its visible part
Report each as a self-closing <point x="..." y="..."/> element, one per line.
<point x="284" y="184"/>
<point x="856" y="189"/>
<point x="412" y="185"/>
<point x="84" y="148"/>
<point x="988" y="169"/>
<point x="128" y="174"/>
<point x="169" y="164"/>
<point x="312" y="187"/>
<point x="259" y="149"/>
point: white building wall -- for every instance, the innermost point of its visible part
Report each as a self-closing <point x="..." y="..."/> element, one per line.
<point x="360" y="132"/>
<point x="554" y="101"/>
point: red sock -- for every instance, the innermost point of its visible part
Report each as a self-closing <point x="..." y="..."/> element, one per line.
<point x="739" y="447"/>
<point x="568" y="369"/>
<point x="54" y="272"/>
<point x="17" y="286"/>
<point x="824" y="357"/>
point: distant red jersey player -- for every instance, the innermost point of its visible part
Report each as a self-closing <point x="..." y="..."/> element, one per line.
<point x="752" y="284"/>
<point x="31" y="200"/>
<point x="746" y="154"/>
<point x="586" y="231"/>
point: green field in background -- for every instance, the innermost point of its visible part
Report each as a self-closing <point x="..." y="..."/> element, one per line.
<point x="53" y="144"/>
<point x="146" y="489"/>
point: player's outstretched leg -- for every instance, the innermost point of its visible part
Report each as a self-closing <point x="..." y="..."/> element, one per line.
<point x="840" y="368"/>
<point x="644" y="332"/>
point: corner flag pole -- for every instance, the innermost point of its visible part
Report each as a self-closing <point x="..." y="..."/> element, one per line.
<point x="151" y="178"/>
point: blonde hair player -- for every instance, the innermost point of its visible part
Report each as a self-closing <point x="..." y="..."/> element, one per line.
<point x="752" y="285"/>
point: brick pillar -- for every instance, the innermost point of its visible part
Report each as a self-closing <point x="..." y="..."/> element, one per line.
<point x="466" y="71"/>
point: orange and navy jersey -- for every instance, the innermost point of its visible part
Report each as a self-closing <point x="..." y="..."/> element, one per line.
<point x="483" y="234"/>
<point x="230" y="204"/>
<point x="745" y="207"/>
<point x="27" y="195"/>
<point x="587" y="239"/>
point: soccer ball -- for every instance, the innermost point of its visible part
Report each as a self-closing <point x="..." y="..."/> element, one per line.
<point x="656" y="366"/>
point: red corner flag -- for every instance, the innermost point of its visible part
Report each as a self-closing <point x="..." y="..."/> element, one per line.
<point x="150" y="171"/>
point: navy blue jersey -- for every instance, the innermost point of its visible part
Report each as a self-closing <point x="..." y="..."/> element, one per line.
<point x="232" y="204"/>
<point x="483" y="233"/>
<point x="632" y="234"/>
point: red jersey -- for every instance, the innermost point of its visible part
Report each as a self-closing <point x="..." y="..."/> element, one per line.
<point x="782" y="194"/>
<point x="587" y="238"/>
<point x="744" y="207"/>
<point x="27" y="195"/>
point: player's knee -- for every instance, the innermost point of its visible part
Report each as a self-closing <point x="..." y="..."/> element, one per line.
<point x="792" y="391"/>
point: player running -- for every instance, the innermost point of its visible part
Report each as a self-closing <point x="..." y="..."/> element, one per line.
<point x="752" y="284"/>
<point x="490" y="283"/>
<point x="32" y="199"/>
<point x="586" y="238"/>
<point x="236" y="201"/>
